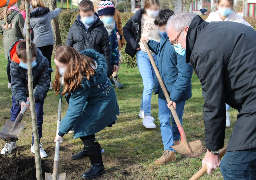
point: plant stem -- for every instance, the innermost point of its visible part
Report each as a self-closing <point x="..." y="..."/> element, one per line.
<point x="31" y="95"/>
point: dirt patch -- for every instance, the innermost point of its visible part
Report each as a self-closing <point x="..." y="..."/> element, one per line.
<point x="21" y="168"/>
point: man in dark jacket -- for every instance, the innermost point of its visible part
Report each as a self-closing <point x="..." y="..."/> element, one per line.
<point x="223" y="56"/>
<point x="88" y="32"/>
<point x="19" y="77"/>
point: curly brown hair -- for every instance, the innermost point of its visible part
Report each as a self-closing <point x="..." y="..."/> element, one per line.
<point x="79" y="67"/>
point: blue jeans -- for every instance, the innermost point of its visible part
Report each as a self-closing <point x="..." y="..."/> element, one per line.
<point x="148" y="76"/>
<point x="227" y="107"/>
<point x="239" y="165"/>
<point x="169" y="132"/>
<point x="15" y="110"/>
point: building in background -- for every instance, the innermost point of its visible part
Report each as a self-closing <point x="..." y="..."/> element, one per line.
<point x="245" y="8"/>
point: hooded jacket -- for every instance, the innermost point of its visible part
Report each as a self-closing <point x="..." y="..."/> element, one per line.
<point x="41" y="26"/>
<point x="174" y="71"/>
<point x="93" y="105"/>
<point x="132" y="33"/>
<point x="19" y="76"/>
<point x="223" y="57"/>
<point x="95" y="37"/>
<point x="13" y="32"/>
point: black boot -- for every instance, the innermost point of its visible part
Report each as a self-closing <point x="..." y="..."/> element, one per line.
<point x="81" y="154"/>
<point x="94" y="152"/>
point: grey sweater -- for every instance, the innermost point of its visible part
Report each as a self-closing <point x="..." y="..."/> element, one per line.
<point x="41" y="25"/>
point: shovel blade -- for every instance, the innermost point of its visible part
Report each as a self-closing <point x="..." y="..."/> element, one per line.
<point x="49" y="176"/>
<point x="9" y="132"/>
<point x="197" y="149"/>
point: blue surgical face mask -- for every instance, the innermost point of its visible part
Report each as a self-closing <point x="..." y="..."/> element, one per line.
<point x="62" y="71"/>
<point x="163" y="34"/>
<point x="25" y="66"/>
<point x="87" y="20"/>
<point x="107" y="19"/>
<point x="225" y="11"/>
<point x="179" y="49"/>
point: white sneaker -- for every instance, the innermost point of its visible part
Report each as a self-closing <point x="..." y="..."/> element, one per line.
<point x="50" y="86"/>
<point x="9" y="85"/>
<point x="8" y="148"/>
<point x="227" y="119"/>
<point x="42" y="152"/>
<point x="141" y="115"/>
<point x="148" y="122"/>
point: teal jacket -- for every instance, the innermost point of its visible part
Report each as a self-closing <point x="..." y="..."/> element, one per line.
<point x="174" y="70"/>
<point x="92" y="106"/>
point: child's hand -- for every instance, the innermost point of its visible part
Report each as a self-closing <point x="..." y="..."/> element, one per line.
<point x="24" y="104"/>
<point x="114" y="68"/>
<point x="144" y="39"/>
<point x="118" y="36"/>
<point x="171" y="104"/>
<point x="58" y="138"/>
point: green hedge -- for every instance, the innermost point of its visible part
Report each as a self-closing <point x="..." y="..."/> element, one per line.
<point x="67" y="19"/>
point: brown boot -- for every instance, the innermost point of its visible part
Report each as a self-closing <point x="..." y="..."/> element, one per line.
<point x="168" y="156"/>
<point x="176" y="142"/>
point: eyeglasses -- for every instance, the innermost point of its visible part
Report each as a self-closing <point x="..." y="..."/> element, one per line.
<point x="176" y="39"/>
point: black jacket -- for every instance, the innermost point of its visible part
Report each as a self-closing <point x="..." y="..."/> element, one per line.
<point x="41" y="79"/>
<point x="223" y="56"/>
<point x="132" y="33"/>
<point x="96" y="37"/>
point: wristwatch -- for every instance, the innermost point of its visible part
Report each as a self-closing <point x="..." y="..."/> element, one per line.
<point x="215" y="152"/>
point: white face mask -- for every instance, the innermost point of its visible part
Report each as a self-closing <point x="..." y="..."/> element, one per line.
<point x="62" y="71"/>
<point x="151" y="13"/>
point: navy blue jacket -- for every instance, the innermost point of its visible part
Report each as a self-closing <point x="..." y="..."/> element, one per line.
<point x="174" y="70"/>
<point x="114" y="56"/>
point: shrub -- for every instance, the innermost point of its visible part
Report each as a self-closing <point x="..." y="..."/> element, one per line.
<point x="252" y="21"/>
<point x="73" y="18"/>
<point x="64" y="24"/>
<point x="131" y="62"/>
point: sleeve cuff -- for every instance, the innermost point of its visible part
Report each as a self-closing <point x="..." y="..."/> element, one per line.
<point x="61" y="134"/>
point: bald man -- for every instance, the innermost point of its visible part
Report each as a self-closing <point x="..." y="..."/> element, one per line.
<point x="223" y="55"/>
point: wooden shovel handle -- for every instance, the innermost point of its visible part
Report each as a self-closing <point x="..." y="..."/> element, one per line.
<point x="167" y="97"/>
<point x="203" y="170"/>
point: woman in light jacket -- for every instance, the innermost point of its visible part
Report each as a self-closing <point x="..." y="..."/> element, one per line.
<point x="42" y="29"/>
<point x="226" y="13"/>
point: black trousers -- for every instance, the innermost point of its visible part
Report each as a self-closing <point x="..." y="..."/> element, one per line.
<point x="9" y="71"/>
<point x="47" y="52"/>
<point x="88" y="140"/>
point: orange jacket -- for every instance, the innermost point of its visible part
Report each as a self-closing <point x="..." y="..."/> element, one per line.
<point x="117" y="18"/>
<point x="4" y="2"/>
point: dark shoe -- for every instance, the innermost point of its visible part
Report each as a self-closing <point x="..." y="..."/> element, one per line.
<point x="80" y="155"/>
<point x="94" y="153"/>
<point x="94" y="171"/>
<point x="117" y="82"/>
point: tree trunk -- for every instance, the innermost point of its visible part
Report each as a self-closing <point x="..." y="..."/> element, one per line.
<point x="31" y="95"/>
<point x="55" y="23"/>
<point x="61" y="3"/>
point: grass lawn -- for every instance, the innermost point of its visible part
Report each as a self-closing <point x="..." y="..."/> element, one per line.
<point x="130" y="149"/>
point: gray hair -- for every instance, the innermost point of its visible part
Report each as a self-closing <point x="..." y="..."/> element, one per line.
<point x="180" y="21"/>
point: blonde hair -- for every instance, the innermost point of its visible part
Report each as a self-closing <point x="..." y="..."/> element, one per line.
<point x="149" y="3"/>
<point x="96" y="4"/>
<point x="22" y="6"/>
<point x="37" y="3"/>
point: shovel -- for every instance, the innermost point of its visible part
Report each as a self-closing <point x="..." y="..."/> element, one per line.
<point x="185" y="148"/>
<point x="203" y="170"/>
<point x="55" y="175"/>
<point x="12" y="129"/>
